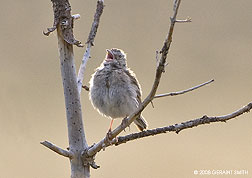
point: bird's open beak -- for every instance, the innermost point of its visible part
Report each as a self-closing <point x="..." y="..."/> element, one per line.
<point x="110" y="55"/>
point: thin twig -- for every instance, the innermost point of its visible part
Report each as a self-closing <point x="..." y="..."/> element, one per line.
<point x="90" y="43"/>
<point x="188" y="19"/>
<point x="157" y="58"/>
<point x="85" y="87"/>
<point x="76" y="16"/>
<point x="183" y="91"/>
<point x="184" y="125"/>
<point x="152" y="104"/>
<point x="57" y="149"/>
<point x="104" y="142"/>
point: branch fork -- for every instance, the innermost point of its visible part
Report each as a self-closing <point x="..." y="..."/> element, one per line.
<point x="64" y="20"/>
<point x="89" y="160"/>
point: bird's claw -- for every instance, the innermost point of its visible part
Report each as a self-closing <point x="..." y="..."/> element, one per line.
<point x="109" y="137"/>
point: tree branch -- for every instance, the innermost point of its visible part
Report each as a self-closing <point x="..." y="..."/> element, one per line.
<point x="184" y="125"/>
<point x="160" y="69"/>
<point x="183" y="91"/>
<point x="76" y="16"/>
<point x="188" y="19"/>
<point x="90" y="43"/>
<point x="63" y="18"/>
<point x="57" y="149"/>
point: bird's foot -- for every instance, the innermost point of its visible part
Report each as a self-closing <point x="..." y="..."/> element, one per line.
<point x="109" y="137"/>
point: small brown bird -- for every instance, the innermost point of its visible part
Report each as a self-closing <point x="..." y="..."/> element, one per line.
<point x="114" y="89"/>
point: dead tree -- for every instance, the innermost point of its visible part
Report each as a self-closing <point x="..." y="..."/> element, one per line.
<point x="82" y="155"/>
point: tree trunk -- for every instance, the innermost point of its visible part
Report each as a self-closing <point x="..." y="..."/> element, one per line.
<point x="76" y="136"/>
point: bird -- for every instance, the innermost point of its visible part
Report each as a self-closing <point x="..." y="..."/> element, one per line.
<point x="114" y="89"/>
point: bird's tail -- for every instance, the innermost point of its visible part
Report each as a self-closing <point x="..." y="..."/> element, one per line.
<point x="141" y="123"/>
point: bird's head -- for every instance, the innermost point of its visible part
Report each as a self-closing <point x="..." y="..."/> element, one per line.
<point x="116" y="56"/>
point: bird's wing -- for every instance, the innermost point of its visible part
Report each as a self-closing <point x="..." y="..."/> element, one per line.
<point x="135" y="83"/>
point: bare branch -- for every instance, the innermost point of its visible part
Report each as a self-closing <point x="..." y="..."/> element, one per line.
<point x="63" y="19"/>
<point x="157" y="58"/>
<point x="57" y="149"/>
<point x="184" y="125"/>
<point x="188" y="19"/>
<point x="184" y="91"/>
<point x="76" y="16"/>
<point x="97" y="16"/>
<point x="89" y="160"/>
<point x="90" y="43"/>
<point x="160" y="69"/>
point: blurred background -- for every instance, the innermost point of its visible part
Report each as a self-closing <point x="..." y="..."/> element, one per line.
<point x="217" y="44"/>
